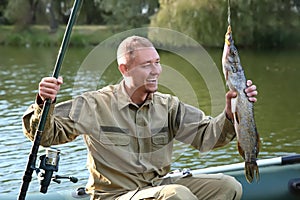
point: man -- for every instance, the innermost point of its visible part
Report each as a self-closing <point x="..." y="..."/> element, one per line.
<point x="129" y="130"/>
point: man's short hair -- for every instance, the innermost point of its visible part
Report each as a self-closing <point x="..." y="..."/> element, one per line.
<point x="125" y="52"/>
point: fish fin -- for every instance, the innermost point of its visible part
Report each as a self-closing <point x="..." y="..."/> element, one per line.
<point x="258" y="143"/>
<point x="258" y="146"/>
<point x="236" y="117"/>
<point x="241" y="151"/>
<point x="234" y="110"/>
<point x="251" y="169"/>
<point x="226" y="76"/>
<point x="233" y="104"/>
<point x="257" y="176"/>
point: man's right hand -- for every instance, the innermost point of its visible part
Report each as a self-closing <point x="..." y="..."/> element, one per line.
<point x="49" y="87"/>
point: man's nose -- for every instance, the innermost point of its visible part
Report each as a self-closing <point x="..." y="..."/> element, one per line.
<point x="156" y="68"/>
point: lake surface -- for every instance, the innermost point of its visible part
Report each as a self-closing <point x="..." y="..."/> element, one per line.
<point x="277" y="112"/>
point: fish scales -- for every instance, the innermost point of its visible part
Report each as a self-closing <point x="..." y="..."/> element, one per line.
<point x="242" y="108"/>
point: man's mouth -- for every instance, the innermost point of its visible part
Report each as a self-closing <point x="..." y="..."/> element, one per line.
<point x="151" y="81"/>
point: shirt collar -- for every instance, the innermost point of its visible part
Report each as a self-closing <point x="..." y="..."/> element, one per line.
<point x="124" y="99"/>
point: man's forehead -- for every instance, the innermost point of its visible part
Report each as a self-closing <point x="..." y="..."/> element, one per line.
<point x="145" y="49"/>
<point x="147" y="53"/>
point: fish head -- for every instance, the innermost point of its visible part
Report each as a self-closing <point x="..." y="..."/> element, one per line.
<point x="230" y="58"/>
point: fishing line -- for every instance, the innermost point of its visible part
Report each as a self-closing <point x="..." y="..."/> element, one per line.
<point x="228" y="13"/>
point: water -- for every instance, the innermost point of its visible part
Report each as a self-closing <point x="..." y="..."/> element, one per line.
<point x="276" y="73"/>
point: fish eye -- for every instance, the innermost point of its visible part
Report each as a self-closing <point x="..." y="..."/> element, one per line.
<point x="233" y="51"/>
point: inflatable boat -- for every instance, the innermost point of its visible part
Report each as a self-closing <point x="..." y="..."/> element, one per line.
<point x="279" y="179"/>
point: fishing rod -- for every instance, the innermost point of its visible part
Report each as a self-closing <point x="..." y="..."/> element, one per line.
<point x="30" y="167"/>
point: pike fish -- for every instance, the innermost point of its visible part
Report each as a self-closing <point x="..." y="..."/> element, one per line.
<point x="242" y="109"/>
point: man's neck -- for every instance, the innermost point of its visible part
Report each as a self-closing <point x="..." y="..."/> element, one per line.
<point x="138" y="100"/>
<point x="136" y="95"/>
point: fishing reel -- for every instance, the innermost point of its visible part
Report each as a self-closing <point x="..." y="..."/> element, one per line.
<point x="48" y="165"/>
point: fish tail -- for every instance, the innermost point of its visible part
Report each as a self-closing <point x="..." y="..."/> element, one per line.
<point x="251" y="169"/>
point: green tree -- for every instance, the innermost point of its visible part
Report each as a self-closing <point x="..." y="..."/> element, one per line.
<point x="258" y="23"/>
<point x="127" y="13"/>
<point x="193" y="18"/>
<point x="21" y="12"/>
<point x="91" y="13"/>
<point x="3" y="5"/>
<point x="276" y="23"/>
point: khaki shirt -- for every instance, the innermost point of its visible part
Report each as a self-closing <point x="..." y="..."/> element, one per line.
<point x="129" y="146"/>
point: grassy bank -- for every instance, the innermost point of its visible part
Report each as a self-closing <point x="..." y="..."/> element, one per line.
<point x="41" y="36"/>
<point x="84" y="35"/>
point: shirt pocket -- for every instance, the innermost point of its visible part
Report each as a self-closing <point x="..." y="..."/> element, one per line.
<point x="115" y="150"/>
<point x="161" y="153"/>
<point x="159" y="140"/>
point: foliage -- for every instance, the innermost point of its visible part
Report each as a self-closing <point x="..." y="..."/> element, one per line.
<point x="264" y="23"/>
<point x="124" y="14"/>
<point x="193" y="19"/>
<point x="90" y="13"/>
<point x="127" y="14"/>
<point x="3" y="4"/>
<point x="275" y="25"/>
<point x="18" y="12"/>
<point x="256" y="23"/>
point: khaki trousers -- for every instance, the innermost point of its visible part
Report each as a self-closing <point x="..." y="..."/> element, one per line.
<point x="204" y="186"/>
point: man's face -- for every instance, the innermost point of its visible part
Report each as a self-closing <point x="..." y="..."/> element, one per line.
<point x="145" y="69"/>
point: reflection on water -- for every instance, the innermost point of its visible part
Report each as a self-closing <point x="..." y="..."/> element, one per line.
<point x="277" y="112"/>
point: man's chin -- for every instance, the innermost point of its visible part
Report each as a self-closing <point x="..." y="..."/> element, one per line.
<point x="151" y="90"/>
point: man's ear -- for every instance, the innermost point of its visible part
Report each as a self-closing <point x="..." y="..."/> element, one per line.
<point x="123" y="69"/>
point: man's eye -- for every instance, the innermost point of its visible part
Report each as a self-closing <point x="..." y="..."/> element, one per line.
<point x="146" y="66"/>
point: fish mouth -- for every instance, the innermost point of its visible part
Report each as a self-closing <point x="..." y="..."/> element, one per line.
<point x="235" y="62"/>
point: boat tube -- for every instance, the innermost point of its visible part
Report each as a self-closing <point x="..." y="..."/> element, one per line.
<point x="279" y="179"/>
